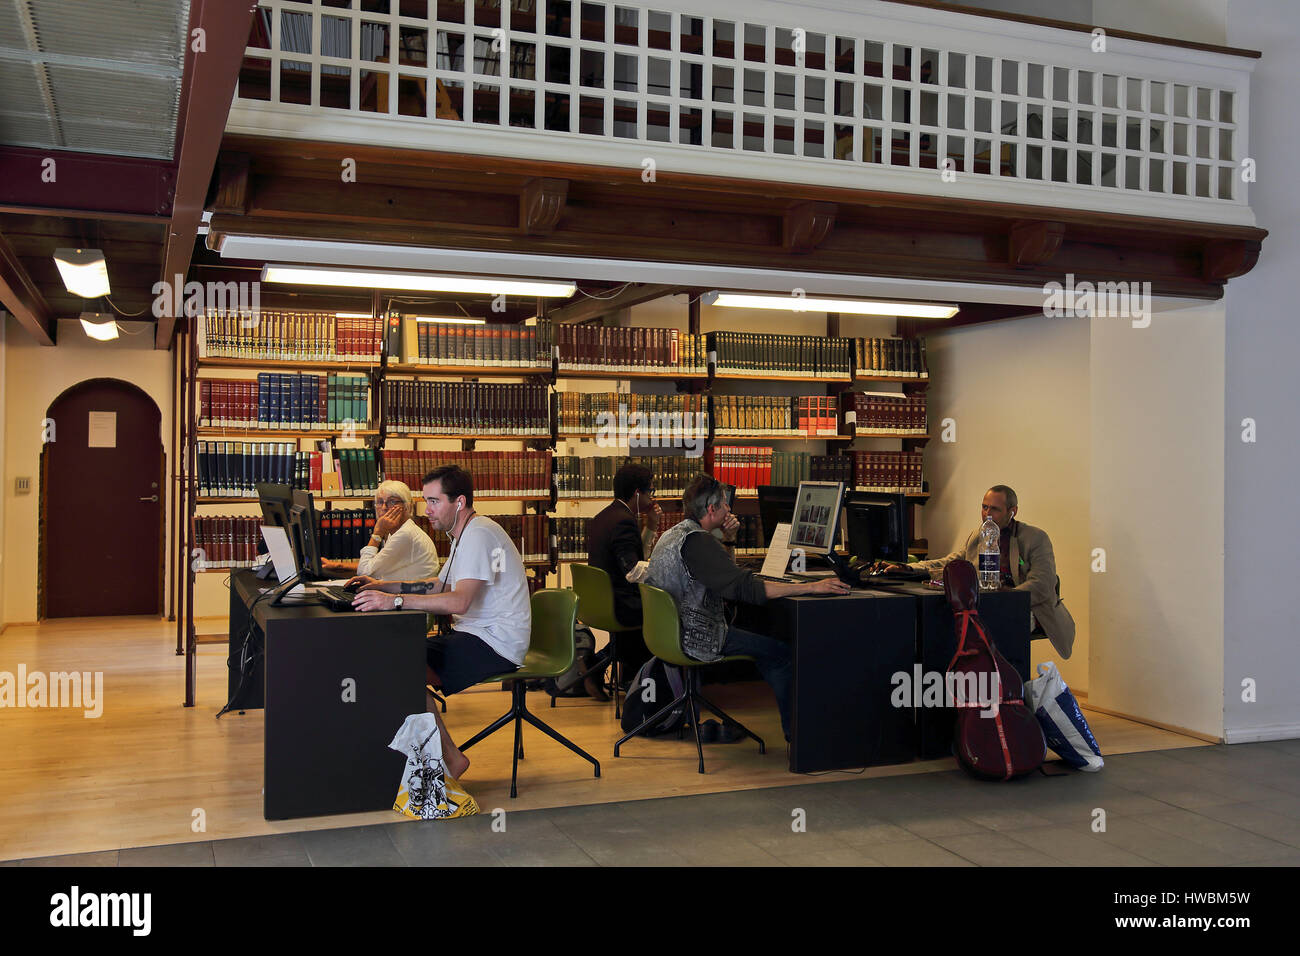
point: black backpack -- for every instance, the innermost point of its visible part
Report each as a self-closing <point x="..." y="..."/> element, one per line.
<point x="667" y="684"/>
<point x="569" y="684"/>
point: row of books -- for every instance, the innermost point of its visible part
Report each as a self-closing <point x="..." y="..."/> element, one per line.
<point x="233" y="469"/>
<point x="341" y="533"/>
<point x="799" y="356"/>
<point x="296" y="401"/>
<point x="749" y="536"/>
<point x="289" y="336"/>
<point x="467" y="408"/>
<point x="578" y="477"/>
<point x="226" y="541"/>
<point x="494" y="345"/>
<point x="884" y="412"/>
<point x="496" y="474"/>
<point x="748" y="466"/>
<point x="801" y="415"/>
<point x="597" y="348"/>
<point x="892" y="472"/>
<point x="892" y="356"/>
<point x="594" y="411"/>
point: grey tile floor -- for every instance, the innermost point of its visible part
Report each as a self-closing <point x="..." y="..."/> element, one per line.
<point x="1207" y="806"/>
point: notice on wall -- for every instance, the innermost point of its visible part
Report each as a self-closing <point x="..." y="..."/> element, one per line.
<point x="103" y="430"/>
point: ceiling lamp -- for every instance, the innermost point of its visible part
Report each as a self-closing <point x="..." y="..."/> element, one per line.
<point x="414" y="281"/>
<point x="799" y="303"/>
<point x="84" y="271"/>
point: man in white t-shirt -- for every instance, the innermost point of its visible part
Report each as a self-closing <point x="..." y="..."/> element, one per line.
<point x="482" y="586"/>
<point x="398" y="549"/>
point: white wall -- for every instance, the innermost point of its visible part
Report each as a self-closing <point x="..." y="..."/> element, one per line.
<point x="1201" y="21"/>
<point x="1018" y="394"/>
<point x="1263" y="523"/>
<point x="34" y="376"/>
<point x="1157" y="509"/>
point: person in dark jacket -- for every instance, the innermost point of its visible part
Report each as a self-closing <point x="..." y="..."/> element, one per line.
<point x="617" y="545"/>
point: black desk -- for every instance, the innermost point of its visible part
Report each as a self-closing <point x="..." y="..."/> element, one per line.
<point x="1005" y="615"/>
<point x="336" y="687"/>
<point x="845" y="650"/>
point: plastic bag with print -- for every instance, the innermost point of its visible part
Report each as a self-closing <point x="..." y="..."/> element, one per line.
<point x="426" y="791"/>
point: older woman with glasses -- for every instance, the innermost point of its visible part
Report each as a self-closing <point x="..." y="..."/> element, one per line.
<point x="399" y="549"/>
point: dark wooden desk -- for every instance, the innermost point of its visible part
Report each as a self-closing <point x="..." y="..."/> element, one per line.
<point x="846" y="651"/>
<point x="336" y="687"/>
<point x="1005" y="615"/>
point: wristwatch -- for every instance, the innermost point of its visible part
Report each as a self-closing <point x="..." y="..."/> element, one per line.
<point x="397" y="603"/>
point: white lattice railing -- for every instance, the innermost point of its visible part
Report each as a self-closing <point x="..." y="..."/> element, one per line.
<point x="871" y="96"/>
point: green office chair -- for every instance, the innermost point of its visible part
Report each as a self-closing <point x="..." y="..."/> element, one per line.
<point x="596" y="598"/>
<point x="662" y="631"/>
<point x="550" y="654"/>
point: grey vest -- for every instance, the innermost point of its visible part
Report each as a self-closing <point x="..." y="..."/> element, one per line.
<point x="703" y="622"/>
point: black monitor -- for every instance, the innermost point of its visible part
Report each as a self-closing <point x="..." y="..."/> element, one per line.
<point x="302" y="536"/>
<point x="876" y="527"/>
<point x="276" y="502"/>
<point x="775" y="506"/>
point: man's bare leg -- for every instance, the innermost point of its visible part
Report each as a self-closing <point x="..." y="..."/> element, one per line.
<point x="455" y="761"/>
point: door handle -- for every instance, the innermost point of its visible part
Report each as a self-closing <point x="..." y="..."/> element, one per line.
<point x="153" y="498"/>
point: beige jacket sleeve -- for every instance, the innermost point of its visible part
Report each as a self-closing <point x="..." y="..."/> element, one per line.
<point x="937" y="564"/>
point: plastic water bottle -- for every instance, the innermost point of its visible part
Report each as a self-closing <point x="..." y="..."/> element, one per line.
<point x="990" y="567"/>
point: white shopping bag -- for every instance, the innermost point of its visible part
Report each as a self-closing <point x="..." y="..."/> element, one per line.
<point x="426" y="792"/>
<point x="1062" y="721"/>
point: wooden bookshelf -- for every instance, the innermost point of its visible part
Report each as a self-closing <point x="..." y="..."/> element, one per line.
<point x="730" y="438"/>
<point x="213" y="431"/>
<point x="746" y="377"/>
<point x="477" y="371"/>
<point x="290" y="365"/>
<point x="904" y="437"/>
<point x="476" y="436"/>
<point x="633" y="373"/>
<point x="895" y="379"/>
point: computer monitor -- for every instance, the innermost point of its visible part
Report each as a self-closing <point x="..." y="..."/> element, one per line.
<point x="875" y="526"/>
<point x="816" y="516"/>
<point x="302" y="535"/>
<point x="276" y="502"/>
<point x="775" y="506"/>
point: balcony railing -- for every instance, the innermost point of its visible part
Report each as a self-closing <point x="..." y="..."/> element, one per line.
<point x="873" y="96"/>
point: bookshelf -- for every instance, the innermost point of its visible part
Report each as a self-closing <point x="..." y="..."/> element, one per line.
<point x="563" y="353"/>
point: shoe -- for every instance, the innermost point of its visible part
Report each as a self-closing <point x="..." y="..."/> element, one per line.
<point x="595" y="687"/>
<point x="730" y="733"/>
<point x="709" y="732"/>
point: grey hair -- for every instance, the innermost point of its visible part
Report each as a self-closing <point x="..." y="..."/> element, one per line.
<point x="704" y="493"/>
<point x="396" y="489"/>
<point x="1008" y="493"/>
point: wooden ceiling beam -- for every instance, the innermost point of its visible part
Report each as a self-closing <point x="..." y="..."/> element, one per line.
<point x="208" y="88"/>
<point x="21" y="296"/>
<point x="587" y="309"/>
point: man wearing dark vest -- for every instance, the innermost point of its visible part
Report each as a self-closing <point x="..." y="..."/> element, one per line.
<point x="617" y="546"/>
<point x="695" y="566"/>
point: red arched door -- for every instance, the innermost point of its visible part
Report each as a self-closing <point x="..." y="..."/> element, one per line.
<point x="102" y="501"/>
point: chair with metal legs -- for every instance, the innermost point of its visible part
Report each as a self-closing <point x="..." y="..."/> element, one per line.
<point x="596" y="599"/>
<point x="550" y="654"/>
<point x="662" y="631"/>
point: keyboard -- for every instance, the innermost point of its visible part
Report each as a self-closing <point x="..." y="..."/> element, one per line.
<point x="336" y="598"/>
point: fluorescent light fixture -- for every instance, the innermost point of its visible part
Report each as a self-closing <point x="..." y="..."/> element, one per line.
<point x="353" y="315"/>
<point x="452" y="320"/>
<point x="103" y="331"/>
<point x="792" y="303"/>
<point x="84" y="271"/>
<point x="414" y="281"/>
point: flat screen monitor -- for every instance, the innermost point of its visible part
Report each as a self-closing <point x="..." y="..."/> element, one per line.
<point x="816" y="516"/>
<point x="277" y="503"/>
<point x="875" y="527"/>
<point x="302" y="535"/>
<point x="775" y="506"/>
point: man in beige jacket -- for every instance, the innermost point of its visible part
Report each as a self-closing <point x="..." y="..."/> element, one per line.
<point x="1027" y="558"/>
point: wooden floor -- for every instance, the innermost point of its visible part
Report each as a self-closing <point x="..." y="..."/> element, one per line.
<point x="140" y="774"/>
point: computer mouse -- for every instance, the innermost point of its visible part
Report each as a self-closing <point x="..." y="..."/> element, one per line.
<point x="352" y="588"/>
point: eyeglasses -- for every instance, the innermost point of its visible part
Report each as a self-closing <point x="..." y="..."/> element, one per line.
<point x="388" y="502"/>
